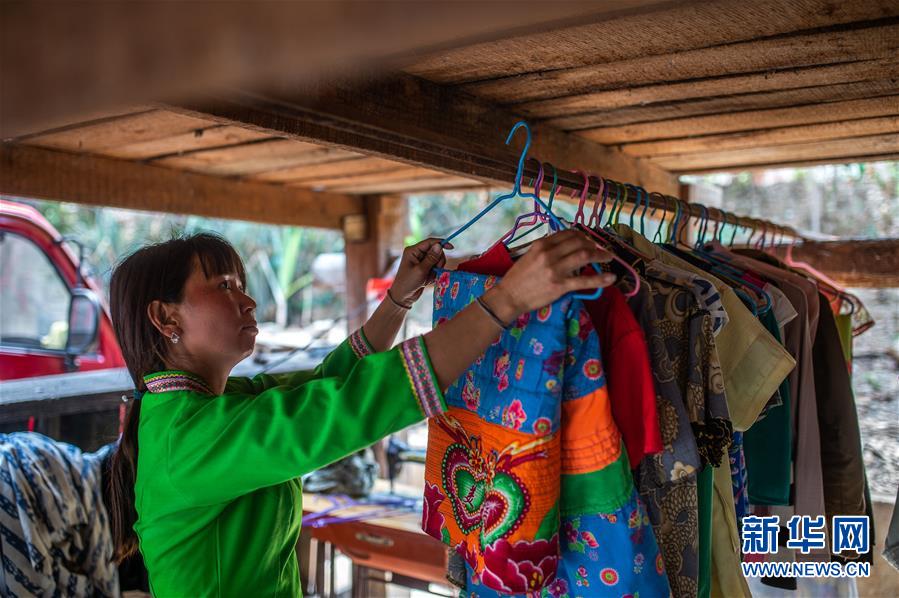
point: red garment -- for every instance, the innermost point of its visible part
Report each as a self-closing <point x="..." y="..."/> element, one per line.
<point x="625" y="359"/>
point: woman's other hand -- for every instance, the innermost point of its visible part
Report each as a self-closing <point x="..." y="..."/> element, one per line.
<point x="550" y="268"/>
<point x="416" y="270"/>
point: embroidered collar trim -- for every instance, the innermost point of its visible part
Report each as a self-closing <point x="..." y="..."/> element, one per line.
<point x="170" y="380"/>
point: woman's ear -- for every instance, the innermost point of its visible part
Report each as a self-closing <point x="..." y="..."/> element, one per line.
<point x="164" y="318"/>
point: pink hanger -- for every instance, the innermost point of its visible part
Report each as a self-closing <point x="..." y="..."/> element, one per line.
<point x="595" y="216"/>
<point x="536" y="214"/>
<point x="579" y="217"/>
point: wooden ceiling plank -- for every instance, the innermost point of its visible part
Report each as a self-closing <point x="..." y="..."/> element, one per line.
<point x="416" y="122"/>
<point x="215" y="137"/>
<point x="252" y="158"/>
<point x="728" y="104"/>
<point x="717" y="86"/>
<point x="420" y="185"/>
<point x="858" y="146"/>
<point x="29" y="171"/>
<point x="766" y="137"/>
<point x="399" y="173"/>
<point x="805" y="49"/>
<point x="676" y="27"/>
<point x="745" y="121"/>
<point x="348" y="167"/>
<point x="135" y="128"/>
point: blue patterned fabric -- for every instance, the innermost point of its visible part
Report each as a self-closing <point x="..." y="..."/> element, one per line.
<point x="55" y="538"/>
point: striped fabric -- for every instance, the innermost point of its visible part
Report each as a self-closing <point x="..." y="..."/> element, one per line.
<point x="360" y="344"/>
<point x="55" y="537"/>
<point x="423" y="380"/>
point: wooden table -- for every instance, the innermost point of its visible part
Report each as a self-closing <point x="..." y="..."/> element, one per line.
<point x="394" y="544"/>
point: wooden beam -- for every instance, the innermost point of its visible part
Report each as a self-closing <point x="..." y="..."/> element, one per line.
<point x="730" y="159"/>
<point x="410" y="120"/>
<point x="853" y="263"/>
<point x="81" y="57"/>
<point x="766" y="137"/>
<point x="673" y="28"/>
<point x="868" y="41"/>
<point x="729" y="104"/>
<point x="47" y="174"/>
<point x="750" y="120"/>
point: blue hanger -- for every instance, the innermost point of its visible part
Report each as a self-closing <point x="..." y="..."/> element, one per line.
<point x="517" y="193"/>
<point x="516" y="189"/>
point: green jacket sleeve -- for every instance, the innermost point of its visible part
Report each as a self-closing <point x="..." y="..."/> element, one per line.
<point x="338" y="362"/>
<point x="223" y="447"/>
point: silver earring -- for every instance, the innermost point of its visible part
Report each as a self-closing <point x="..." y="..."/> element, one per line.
<point x="175" y="338"/>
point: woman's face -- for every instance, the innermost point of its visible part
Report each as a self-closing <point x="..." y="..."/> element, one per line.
<point x="217" y="318"/>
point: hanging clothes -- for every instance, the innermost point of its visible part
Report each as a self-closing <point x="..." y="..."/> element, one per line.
<point x="668" y="481"/>
<point x="628" y="374"/>
<point x="539" y="388"/>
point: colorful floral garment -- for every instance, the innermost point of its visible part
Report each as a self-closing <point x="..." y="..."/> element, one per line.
<point x="533" y="406"/>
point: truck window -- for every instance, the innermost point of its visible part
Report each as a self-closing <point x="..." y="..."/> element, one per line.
<point x="34" y="299"/>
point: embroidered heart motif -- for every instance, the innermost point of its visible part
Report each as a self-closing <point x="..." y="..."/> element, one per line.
<point x="496" y="509"/>
<point x="504" y="508"/>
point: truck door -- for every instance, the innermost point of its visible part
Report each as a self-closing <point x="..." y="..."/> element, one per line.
<point x="34" y="304"/>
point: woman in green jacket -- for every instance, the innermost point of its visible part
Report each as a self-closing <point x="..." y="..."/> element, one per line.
<point x="213" y="500"/>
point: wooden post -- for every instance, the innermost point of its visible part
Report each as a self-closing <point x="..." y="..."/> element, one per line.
<point x="370" y="243"/>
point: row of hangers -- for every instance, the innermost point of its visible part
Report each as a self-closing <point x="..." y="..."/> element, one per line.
<point x="682" y="212"/>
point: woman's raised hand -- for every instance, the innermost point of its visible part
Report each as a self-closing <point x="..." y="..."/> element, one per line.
<point x="416" y="270"/>
<point x="550" y="268"/>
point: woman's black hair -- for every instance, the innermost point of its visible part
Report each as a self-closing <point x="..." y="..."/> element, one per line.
<point x="155" y="272"/>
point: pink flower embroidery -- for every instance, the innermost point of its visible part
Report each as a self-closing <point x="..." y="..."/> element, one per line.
<point x="536" y="346"/>
<point x="585" y="325"/>
<point x="542" y="426"/>
<point x="593" y="369"/>
<point x="503" y="383"/>
<point x="558" y="588"/>
<point x="501" y="365"/>
<point x="523" y="320"/>
<point x="432" y="520"/>
<point x="520" y="568"/>
<point x="471" y="394"/>
<point x="514" y="415"/>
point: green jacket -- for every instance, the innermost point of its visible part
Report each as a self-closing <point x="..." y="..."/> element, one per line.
<point x="218" y="493"/>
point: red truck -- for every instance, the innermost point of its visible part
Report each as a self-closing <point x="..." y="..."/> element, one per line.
<point x="52" y="317"/>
